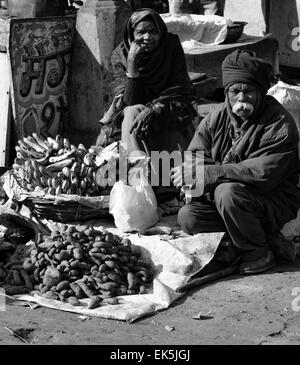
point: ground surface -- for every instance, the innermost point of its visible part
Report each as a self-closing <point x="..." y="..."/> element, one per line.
<point x="241" y="310"/>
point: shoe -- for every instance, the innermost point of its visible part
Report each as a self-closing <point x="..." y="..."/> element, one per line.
<point x="258" y="266"/>
<point x="283" y="249"/>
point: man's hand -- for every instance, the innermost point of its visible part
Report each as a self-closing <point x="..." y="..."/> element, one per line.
<point x="189" y="176"/>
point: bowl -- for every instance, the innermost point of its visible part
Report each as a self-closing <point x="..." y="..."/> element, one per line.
<point x="234" y="31"/>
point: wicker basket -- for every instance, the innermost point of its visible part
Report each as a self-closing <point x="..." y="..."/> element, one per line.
<point x="234" y="31"/>
<point x="64" y="211"/>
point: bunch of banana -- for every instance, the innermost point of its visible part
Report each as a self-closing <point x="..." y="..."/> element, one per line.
<point x="55" y="166"/>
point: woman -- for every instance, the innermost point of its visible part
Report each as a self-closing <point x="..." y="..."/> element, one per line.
<point x="152" y="92"/>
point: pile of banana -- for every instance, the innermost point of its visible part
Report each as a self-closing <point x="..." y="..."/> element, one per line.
<point x="55" y="166"/>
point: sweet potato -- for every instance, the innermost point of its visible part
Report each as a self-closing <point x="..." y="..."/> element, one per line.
<point x="62" y="255"/>
<point x="51" y="295"/>
<point x="63" y="285"/>
<point x="110" y="301"/>
<point x="77" y="290"/>
<point x="87" y="291"/>
<point x="107" y="286"/>
<point x="52" y="276"/>
<point x="133" y="281"/>
<point x="78" y="253"/>
<point x="111" y="264"/>
<point x="73" y="301"/>
<point x="102" y="267"/>
<point x="95" y="302"/>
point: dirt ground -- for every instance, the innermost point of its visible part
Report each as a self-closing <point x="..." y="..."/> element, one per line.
<point x="236" y="310"/>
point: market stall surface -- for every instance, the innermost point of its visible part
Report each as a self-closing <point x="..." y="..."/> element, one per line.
<point x="261" y="309"/>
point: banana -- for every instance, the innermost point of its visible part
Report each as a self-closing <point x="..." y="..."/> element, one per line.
<point x="61" y="157"/>
<point x="89" y="173"/>
<point x="66" y="172"/>
<point x="82" y="185"/>
<point x="44" y="181"/>
<point x="17" y="167"/>
<point x="29" y="187"/>
<point x="22" y="155"/>
<point x="43" y="143"/>
<point x="31" y="143"/>
<point x="88" y="159"/>
<point x="73" y="175"/>
<point x="58" y="190"/>
<point x="54" y="183"/>
<point x="82" y="147"/>
<point x="66" y="143"/>
<point x="60" y="176"/>
<point x="51" y="191"/>
<point x="29" y="151"/>
<point x="75" y="182"/>
<point x="19" y="161"/>
<point x="36" y="176"/>
<point x="53" y="143"/>
<point x="35" y="165"/>
<point x="60" y="165"/>
<point x="65" y="186"/>
<point x="44" y="160"/>
<point x="75" y="167"/>
<point x="44" y="172"/>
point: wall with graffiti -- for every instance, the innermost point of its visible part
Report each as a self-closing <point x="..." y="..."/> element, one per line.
<point x="40" y="56"/>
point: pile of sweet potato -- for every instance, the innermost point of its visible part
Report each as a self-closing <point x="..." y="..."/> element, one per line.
<point x="74" y="264"/>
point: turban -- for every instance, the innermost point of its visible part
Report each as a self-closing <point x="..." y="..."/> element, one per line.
<point x="244" y="67"/>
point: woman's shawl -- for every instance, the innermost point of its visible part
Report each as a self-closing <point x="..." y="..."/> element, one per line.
<point x="163" y="72"/>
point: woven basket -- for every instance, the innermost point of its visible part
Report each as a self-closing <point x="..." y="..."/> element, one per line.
<point x="64" y="211"/>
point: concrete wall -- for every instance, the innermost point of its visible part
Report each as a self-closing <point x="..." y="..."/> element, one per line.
<point x="285" y="25"/>
<point x="99" y="29"/>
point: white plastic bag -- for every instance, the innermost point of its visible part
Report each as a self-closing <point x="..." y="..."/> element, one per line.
<point x="133" y="208"/>
<point x="289" y="97"/>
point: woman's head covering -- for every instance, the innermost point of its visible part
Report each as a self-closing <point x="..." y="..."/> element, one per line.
<point x="136" y="18"/>
<point x="242" y="66"/>
<point x="163" y="70"/>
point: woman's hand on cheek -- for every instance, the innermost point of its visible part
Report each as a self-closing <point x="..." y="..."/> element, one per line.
<point x="136" y="49"/>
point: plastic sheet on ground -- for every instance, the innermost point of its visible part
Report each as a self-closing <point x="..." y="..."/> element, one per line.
<point x="197" y="30"/>
<point x="173" y="261"/>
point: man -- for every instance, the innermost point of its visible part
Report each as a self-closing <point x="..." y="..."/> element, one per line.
<point x="251" y="167"/>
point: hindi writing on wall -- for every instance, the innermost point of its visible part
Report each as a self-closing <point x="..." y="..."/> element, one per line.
<point x="40" y="56"/>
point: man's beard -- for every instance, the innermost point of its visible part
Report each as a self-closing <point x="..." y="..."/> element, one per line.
<point x="242" y="109"/>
